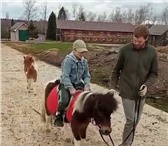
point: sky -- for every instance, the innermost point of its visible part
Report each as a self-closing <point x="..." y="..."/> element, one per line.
<point x="15" y="8"/>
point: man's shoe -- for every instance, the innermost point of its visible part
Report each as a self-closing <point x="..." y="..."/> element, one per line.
<point x="59" y="120"/>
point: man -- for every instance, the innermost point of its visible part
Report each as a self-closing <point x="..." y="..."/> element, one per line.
<point x="75" y="75"/>
<point x="135" y="71"/>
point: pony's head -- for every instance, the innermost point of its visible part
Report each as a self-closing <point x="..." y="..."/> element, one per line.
<point x="99" y="107"/>
<point x="105" y="105"/>
<point x="28" y="61"/>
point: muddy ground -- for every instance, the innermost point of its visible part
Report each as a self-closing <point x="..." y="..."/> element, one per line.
<point x="21" y="123"/>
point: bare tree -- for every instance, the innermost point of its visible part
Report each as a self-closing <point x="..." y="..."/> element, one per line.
<point x="165" y="15"/>
<point x="102" y="17"/>
<point x="111" y="16"/>
<point x="136" y="17"/>
<point x="117" y="15"/>
<point x="91" y="16"/>
<point x="44" y="11"/>
<point x="42" y="24"/>
<point x="67" y="13"/>
<point x="154" y="19"/>
<point x="143" y="13"/>
<point x="124" y="17"/>
<point x="74" y="10"/>
<point x="30" y="10"/>
<point x="130" y="16"/>
<point x="149" y="11"/>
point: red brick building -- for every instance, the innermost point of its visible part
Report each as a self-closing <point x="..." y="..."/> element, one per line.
<point x="95" y="32"/>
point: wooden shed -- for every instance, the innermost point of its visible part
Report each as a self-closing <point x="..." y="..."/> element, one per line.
<point x="19" y="32"/>
<point x="158" y="34"/>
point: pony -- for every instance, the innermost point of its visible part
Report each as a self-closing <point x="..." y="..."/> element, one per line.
<point x="85" y="107"/>
<point x="30" y="70"/>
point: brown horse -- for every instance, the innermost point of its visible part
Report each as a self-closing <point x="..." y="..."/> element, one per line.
<point x="30" y="70"/>
<point x="84" y="107"/>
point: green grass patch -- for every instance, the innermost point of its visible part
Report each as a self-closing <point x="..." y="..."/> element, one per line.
<point x="51" y="45"/>
<point x="40" y="47"/>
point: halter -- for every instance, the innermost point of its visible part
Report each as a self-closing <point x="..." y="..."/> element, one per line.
<point x="94" y="123"/>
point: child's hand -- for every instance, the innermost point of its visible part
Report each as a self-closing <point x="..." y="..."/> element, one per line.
<point x="87" y="88"/>
<point x="72" y="92"/>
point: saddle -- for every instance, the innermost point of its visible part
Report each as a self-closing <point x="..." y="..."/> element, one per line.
<point x="52" y="102"/>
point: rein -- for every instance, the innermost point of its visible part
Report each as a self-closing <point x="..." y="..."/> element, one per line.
<point x="94" y="123"/>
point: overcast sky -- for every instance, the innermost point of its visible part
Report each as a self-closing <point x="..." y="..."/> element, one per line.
<point x="15" y="8"/>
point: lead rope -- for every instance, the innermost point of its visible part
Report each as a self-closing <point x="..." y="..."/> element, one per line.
<point x="137" y="107"/>
<point x="93" y="122"/>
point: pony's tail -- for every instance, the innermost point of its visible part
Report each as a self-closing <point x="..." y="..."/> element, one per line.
<point x="48" y="89"/>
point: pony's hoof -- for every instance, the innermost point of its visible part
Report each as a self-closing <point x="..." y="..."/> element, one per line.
<point x="48" y="130"/>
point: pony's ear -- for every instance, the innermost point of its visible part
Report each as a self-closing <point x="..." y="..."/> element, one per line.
<point x="114" y="93"/>
<point x="111" y="91"/>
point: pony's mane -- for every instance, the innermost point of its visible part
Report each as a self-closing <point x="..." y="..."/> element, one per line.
<point x="79" y="104"/>
<point x="106" y="100"/>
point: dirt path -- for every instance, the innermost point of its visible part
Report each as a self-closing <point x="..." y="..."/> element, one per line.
<point x="22" y="126"/>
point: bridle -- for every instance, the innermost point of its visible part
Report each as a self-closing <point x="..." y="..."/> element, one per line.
<point x="94" y="123"/>
<point x="98" y="125"/>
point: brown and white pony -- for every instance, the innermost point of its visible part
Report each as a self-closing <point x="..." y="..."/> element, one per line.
<point x="30" y="70"/>
<point x="83" y="108"/>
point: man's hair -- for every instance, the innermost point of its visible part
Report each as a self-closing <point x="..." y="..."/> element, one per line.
<point x="141" y="31"/>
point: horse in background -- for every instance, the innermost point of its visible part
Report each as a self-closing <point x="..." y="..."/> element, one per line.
<point x="83" y="108"/>
<point x="30" y="70"/>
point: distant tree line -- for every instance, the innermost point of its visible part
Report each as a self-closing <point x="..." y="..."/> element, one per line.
<point x="145" y="13"/>
<point x="46" y="24"/>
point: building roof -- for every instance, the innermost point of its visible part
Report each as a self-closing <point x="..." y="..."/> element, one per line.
<point x="158" y="29"/>
<point x="94" y="26"/>
<point x="18" y="25"/>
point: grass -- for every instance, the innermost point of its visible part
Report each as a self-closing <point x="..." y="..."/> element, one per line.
<point x="53" y="45"/>
<point x="100" y="76"/>
<point x="40" y="47"/>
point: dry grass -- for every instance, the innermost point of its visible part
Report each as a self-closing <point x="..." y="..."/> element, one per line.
<point x="163" y="49"/>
